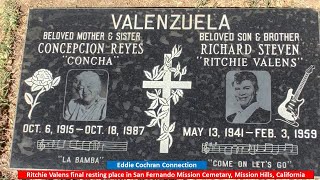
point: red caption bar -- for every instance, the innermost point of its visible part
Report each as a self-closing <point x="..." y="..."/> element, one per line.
<point x="151" y="174"/>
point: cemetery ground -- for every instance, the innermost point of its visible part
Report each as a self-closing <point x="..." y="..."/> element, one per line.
<point x="13" y="22"/>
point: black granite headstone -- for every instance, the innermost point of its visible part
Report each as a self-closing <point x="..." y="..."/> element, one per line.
<point x="224" y="86"/>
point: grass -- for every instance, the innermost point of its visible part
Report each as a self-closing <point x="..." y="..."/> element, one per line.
<point x="201" y="3"/>
<point x="9" y="22"/>
<point x="9" y="16"/>
<point x="264" y="3"/>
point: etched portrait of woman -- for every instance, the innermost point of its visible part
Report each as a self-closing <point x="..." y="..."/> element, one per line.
<point x="88" y="104"/>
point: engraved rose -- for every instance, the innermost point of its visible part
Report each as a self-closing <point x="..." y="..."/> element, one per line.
<point x="41" y="80"/>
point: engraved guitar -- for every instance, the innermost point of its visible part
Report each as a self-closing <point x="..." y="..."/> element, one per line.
<point x="290" y="108"/>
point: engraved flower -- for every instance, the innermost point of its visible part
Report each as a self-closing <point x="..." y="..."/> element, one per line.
<point x="41" y="79"/>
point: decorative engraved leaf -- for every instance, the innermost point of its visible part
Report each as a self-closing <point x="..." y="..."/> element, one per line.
<point x="179" y="92"/>
<point x="170" y="140"/>
<point x="29" y="81"/>
<point x="167" y="58"/>
<point x="35" y="88"/>
<point x="174" y="50"/>
<point x="148" y="75"/>
<point x="151" y="113"/>
<point x="178" y="66"/>
<point x="163" y="101"/>
<point x="158" y="91"/>
<point x="172" y="127"/>
<point x="163" y="136"/>
<point x="159" y="110"/>
<point x="56" y="81"/>
<point x="184" y="70"/>
<point x="160" y="75"/>
<point x="175" y="98"/>
<point x="152" y="96"/>
<point x="163" y="114"/>
<point x="155" y="71"/>
<point x="153" y="122"/>
<point x="28" y="98"/>
<point x="176" y="74"/>
<point x="154" y="104"/>
<point x="179" y="51"/>
<point x="173" y="69"/>
<point x="165" y="128"/>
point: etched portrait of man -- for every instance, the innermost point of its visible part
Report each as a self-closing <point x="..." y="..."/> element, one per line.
<point x="247" y="109"/>
<point x="87" y="105"/>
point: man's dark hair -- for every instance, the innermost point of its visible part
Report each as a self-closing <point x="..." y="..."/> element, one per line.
<point x="246" y="75"/>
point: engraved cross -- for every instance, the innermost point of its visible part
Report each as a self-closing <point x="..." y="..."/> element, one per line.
<point x="166" y="85"/>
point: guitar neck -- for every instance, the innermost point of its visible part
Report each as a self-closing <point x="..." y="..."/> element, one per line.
<point x="301" y="86"/>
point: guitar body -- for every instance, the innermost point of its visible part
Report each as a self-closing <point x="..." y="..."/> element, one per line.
<point x="290" y="108"/>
